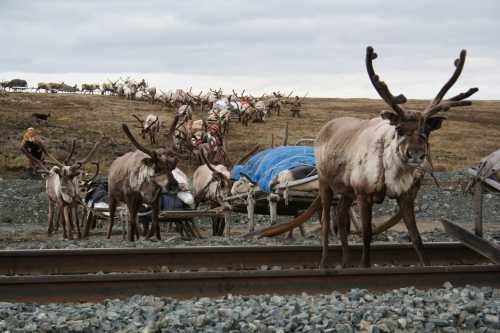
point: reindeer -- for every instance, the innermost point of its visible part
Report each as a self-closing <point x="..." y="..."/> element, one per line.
<point x="152" y="94"/>
<point x="140" y="177"/>
<point x="54" y="87"/>
<point x="89" y="87"/>
<point x="235" y="98"/>
<point x="246" y="113"/>
<point x="151" y="125"/>
<point x="185" y="112"/>
<point x="222" y="117"/>
<point x="4" y="84"/>
<point x="367" y="160"/>
<point x="260" y="108"/>
<point x="111" y="87"/>
<point x="276" y="103"/>
<point x="194" y="100"/>
<point x="44" y="86"/>
<point x="62" y="188"/>
<point x="210" y="98"/>
<point x="211" y="183"/>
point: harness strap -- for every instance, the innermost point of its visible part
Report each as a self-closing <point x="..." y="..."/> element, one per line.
<point x="203" y="192"/>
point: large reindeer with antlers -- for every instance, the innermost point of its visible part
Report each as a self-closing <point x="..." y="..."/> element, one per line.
<point x="139" y="177"/>
<point x="62" y="187"/>
<point x="367" y="160"/>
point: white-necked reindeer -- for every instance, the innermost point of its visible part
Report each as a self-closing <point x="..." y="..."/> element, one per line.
<point x="367" y="160"/>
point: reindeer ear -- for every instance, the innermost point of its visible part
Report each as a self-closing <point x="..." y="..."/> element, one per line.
<point x="392" y="116"/>
<point x="146" y="161"/>
<point x="436" y="122"/>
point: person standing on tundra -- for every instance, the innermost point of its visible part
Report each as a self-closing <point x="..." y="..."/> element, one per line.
<point x="29" y="143"/>
<point x="295" y="109"/>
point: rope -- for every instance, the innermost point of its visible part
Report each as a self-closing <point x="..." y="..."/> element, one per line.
<point x="286" y="195"/>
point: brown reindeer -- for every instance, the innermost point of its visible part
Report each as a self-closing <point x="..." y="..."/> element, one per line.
<point x="62" y="188"/>
<point x="139" y="177"/>
<point x="367" y="160"/>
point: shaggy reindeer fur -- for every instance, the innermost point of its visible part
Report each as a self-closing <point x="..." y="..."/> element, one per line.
<point x="140" y="177"/>
<point x="366" y="160"/>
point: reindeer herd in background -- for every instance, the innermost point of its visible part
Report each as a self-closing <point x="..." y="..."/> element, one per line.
<point x="362" y="160"/>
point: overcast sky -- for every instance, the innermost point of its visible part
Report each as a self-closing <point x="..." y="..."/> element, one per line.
<point x="260" y="46"/>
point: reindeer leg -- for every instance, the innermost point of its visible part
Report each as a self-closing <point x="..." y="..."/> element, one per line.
<point x="133" y="229"/>
<point x="156" y="212"/>
<point x="67" y="217"/>
<point x="88" y="222"/>
<point x="341" y="219"/>
<point x="145" y="228"/>
<point x="405" y="202"/>
<point x="365" y="212"/>
<point x="326" y="195"/>
<point x="84" y="217"/>
<point x="214" y="226"/>
<point x="75" y="212"/>
<point x="333" y="231"/>
<point x="60" y="208"/>
<point x="221" y="224"/>
<point x="112" y="210"/>
<point x="51" y="218"/>
<point x="56" y="227"/>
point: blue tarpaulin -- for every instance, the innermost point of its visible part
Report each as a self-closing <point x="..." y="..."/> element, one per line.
<point x="267" y="164"/>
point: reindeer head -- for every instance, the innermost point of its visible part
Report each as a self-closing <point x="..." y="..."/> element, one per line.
<point x="84" y="184"/>
<point x="225" y="184"/>
<point x="161" y="161"/>
<point x="63" y="179"/>
<point x="412" y="128"/>
<point x="145" y="129"/>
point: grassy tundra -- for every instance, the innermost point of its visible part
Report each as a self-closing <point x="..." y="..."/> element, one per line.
<point x="469" y="134"/>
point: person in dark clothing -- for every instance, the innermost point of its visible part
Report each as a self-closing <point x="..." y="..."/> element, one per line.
<point x="29" y="143"/>
<point x="295" y="110"/>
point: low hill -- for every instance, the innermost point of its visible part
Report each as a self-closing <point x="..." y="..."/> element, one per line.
<point x="467" y="136"/>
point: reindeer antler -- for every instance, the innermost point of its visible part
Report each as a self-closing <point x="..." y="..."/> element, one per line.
<point x="169" y="136"/>
<point x="257" y="146"/>
<point x="135" y="143"/>
<point x="78" y="164"/>
<point x="73" y="145"/>
<point x="140" y="121"/>
<point x="36" y="161"/>
<point x="95" y="175"/>
<point x="437" y="104"/>
<point x="381" y="87"/>
<point x="47" y="154"/>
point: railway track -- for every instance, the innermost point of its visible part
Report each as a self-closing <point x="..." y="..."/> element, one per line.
<point x="45" y="276"/>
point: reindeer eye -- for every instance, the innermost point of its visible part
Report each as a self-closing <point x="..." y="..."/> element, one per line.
<point x="400" y="131"/>
<point x="222" y="185"/>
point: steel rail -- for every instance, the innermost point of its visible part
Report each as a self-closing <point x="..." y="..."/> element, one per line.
<point x="96" y="288"/>
<point x="134" y="260"/>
